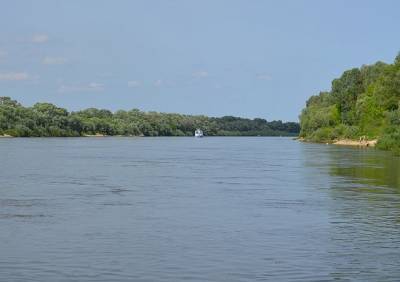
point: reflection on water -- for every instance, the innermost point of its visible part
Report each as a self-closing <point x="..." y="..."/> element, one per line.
<point x="365" y="213"/>
<point x="368" y="167"/>
<point x="186" y="209"/>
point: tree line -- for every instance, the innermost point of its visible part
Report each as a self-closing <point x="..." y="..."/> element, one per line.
<point x="48" y="120"/>
<point x="362" y="102"/>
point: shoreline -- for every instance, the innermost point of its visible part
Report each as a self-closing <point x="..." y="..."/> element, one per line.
<point x="94" y="135"/>
<point x="344" y="142"/>
<point x="357" y="143"/>
<point x="140" y="136"/>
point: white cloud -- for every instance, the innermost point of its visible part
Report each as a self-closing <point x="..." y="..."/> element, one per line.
<point x="14" y="76"/>
<point x="165" y="83"/>
<point x="200" y="74"/>
<point x="134" y="83"/>
<point x="96" y="86"/>
<point x="54" y="61"/>
<point x="39" y="38"/>
<point x="158" y="83"/>
<point x="91" y="87"/>
<point x="64" y="88"/>
<point x="263" y="76"/>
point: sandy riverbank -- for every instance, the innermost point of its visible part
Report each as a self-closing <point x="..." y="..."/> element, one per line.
<point x="94" y="135"/>
<point x="346" y="142"/>
<point x="360" y="143"/>
<point x="6" y="136"/>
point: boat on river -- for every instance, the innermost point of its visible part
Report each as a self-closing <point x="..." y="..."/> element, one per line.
<point x="198" y="133"/>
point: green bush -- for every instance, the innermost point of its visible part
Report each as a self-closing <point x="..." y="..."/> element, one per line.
<point x="390" y="140"/>
<point x="351" y="132"/>
<point x="324" y="134"/>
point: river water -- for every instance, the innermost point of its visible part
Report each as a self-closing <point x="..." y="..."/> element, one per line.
<point x="186" y="209"/>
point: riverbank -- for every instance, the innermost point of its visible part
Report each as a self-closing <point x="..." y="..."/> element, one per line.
<point x="95" y="135"/>
<point x="344" y="142"/>
<point x="140" y="136"/>
<point x="358" y="143"/>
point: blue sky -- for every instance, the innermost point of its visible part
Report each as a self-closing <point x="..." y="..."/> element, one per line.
<point x="246" y="58"/>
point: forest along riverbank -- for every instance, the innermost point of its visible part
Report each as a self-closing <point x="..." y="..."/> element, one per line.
<point x="48" y="120"/>
<point x="363" y="104"/>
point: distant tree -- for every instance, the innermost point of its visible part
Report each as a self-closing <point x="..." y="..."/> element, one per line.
<point x="45" y="119"/>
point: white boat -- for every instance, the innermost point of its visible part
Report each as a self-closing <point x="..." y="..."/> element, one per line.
<point x="198" y="133"/>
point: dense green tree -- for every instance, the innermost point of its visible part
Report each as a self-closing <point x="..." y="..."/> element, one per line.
<point x="362" y="102"/>
<point x="45" y="119"/>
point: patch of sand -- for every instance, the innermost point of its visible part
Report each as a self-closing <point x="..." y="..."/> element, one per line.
<point x="360" y="143"/>
<point x="95" y="135"/>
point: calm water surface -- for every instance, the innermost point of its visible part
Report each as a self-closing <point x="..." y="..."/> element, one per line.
<point x="186" y="209"/>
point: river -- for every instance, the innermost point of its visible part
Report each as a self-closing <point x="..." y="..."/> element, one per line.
<point x="205" y="209"/>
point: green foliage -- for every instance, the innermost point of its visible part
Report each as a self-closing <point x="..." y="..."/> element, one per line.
<point x="345" y="91"/>
<point x="370" y="114"/>
<point x="362" y="102"/>
<point x="390" y="140"/>
<point x="44" y="119"/>
<point x="318" y="114"/>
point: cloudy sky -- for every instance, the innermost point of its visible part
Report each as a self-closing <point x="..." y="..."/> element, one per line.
<point x="249" y="58"/>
